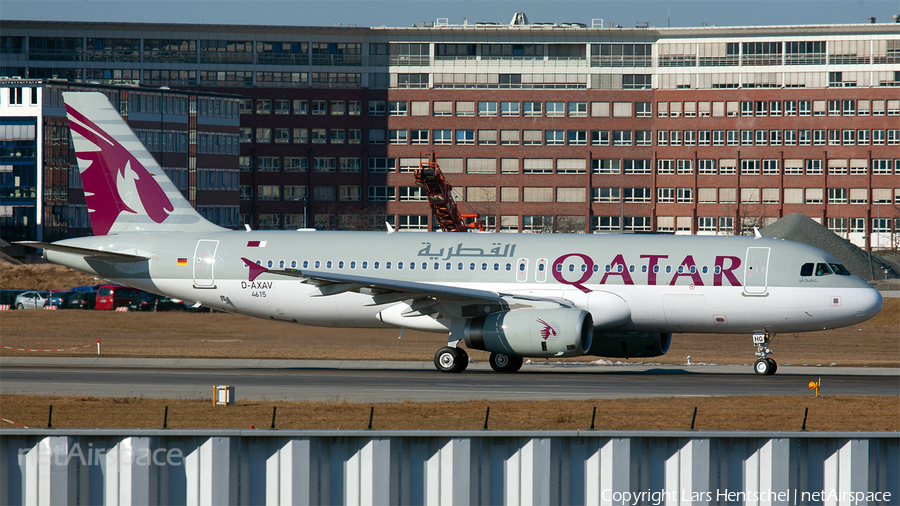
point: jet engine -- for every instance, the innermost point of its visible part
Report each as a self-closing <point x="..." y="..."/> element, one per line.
<point x="556" y="332"/>
<point x="630" y="344"/>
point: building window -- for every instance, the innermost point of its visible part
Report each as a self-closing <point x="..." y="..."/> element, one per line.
<point x="555" y="137"/>
<point x="396" y="137"/>
<point x="319" y="107"/>
<point x="533" y="109"/>
<point x="324" y="164"/>
<point x="348" y="193"/>
<point x="413" y="222"/>
<point x="376" y="136"/>
<point x="418" y="136"/>
<point x="268" y="192"/>
<point x="637" y="195"/>
<point x="382" y="193"/>
<point x="382" y="165"/>
<point x="600" y="137"/>
<point x="376" y="108"/>
<point x="622" y="138"/>
<point x="685" y="166"/>
<point x="443" y="137"/>
<point x="556" y="109"/>
<point x="508" y="109"/>
<point x="706" y="166"/>
<point x="282" y="135"/>
<point x="613" y="194"/>
<point x="268" y="164"/>
<point x="665" y="195"/>
<point x="577" y="109"/>
<point x="643" y="109"/>
<point x="325" y="193"/>
<point x="465" y="137"/>
<point x="245" y="192"/>
<point x="319" y="135"/>
<point x="487" y="109"/>
<point x="397" y="108"/>
<point x="296" y="164"/>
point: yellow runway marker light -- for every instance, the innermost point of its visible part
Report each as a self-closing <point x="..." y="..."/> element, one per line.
<point x="815" y="385"/>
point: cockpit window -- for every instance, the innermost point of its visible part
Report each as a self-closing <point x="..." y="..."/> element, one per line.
<point x="840" y="270"/>
<point x="807" y="269"/>
<point x="822" y="270"/>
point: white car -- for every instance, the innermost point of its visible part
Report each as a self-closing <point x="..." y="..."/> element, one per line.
<point x="32" y="300"/>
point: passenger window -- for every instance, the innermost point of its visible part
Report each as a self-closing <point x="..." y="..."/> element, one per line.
<point x="508" y="267"/>
<point x="541" y="267"/>
<point x="353" y="264"/>
<point x="472" y="267"/>
<point x="571" y="267"/>
<point x="375" y="265"/>
<point x="269" y="264"/>
<point x="596" y="268"/>
<point x="281" y="264"/>
<point x="293" y="264"/>
<point x="399" y="265"/>
<point x="412" y="265"/>
<point x="449" y="266"/>
<point x="630" y="268"/>
<point x="705" y="269"/>
<point x="484" y="267"/>
<point x="668" y="268"/>
<point x="387" y="265"/>
<point x="822" y="270"/>
<point x="459" y="266"/>
<point x="365" y="265"/>
<point x="840" y="270"/>
<point x="305" y="264"/>
<point x="328" y="264"/>
<point x="522" y="267"/>
<point x="318" y="264"/>
<point x="496" y="267"/>
<point x="584" y="268"/>
<point x="341" y="264"/>
<point x="643" y="268"/>
<point x="718" y="269"/>
<point x="807" y="269"/>
<point x="656" y="269"/>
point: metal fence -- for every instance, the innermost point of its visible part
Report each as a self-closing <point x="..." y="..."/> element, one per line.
<point x="46" y="466"/>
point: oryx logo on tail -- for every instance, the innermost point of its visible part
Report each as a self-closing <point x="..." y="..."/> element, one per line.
<point x="114" y="180"/>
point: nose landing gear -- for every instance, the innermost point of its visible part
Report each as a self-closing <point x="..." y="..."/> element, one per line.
<point x="764" y="366"/>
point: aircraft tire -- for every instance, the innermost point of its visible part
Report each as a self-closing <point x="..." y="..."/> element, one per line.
<point x="763" y="367"/>
<point x="449" y="359"/>
<point x="502" y="362"/>
<point x="463" y="359"/>
<point x="773" y="364"/>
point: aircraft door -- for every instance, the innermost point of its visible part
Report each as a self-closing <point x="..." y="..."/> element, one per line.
<point x="756" y="271"/>
<point x="522" y="270"/>
<point x="205" y="263"/>
<point x="540" y="270"/>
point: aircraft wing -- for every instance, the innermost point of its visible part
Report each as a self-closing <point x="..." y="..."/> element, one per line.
<point x="326" y="279"/>
<point x="109" y="256"/>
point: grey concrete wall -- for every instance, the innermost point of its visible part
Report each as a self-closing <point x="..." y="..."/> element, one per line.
<point x="40" y="466"/>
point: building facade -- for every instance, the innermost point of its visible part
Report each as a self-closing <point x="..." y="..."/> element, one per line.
<point x="194" y="136"/>
<point x="538" y="127"/>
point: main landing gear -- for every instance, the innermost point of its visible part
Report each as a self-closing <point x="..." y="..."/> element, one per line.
<point x="451" y="359"/>
<point x="764" y="366"/>
<point x="501" y="362"/>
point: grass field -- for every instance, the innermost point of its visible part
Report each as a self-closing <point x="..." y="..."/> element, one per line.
<point x="847" y="413"/>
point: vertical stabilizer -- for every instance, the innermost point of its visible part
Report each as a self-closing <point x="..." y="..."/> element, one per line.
<point x="124" y="188"/>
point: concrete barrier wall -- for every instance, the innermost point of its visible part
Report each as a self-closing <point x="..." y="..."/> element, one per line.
<point x="410" y="467"/>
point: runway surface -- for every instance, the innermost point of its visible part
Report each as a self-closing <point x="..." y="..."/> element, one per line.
<point x="418" y="381"/>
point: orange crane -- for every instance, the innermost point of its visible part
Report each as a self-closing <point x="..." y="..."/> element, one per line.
<point x="429" y="177"/>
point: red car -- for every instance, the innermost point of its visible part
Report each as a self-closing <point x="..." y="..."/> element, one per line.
<point x="110" y="297"/>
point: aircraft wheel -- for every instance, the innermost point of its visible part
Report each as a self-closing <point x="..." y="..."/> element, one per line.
<point x="763" y="367"/>
<point x="463" y="359"/>
<point x="774" y="366"/>
<point x="502" y="362"/>
<point x="448" y="359"/>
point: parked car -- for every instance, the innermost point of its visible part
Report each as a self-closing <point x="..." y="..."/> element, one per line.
<point x="59" y="299"/>
<point x="110" y="297"/>
<point x="152" y="302"/>
<point x="8" y="297"/>
<point x="32" y="300"/>
<point x="83" y="300"/>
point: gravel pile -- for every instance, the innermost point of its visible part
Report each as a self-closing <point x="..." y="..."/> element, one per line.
<point x="800" y="228"/>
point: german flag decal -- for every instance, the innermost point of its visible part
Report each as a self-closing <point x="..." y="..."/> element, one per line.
<point x="182" y="261"/>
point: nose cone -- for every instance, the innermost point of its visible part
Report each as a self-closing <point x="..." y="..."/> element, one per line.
<point x="868" y="303"/>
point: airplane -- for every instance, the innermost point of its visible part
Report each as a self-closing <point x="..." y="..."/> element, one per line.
<point x="514" y="295"/>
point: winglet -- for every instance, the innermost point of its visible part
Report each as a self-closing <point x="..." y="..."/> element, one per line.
<point x="255" y="270"/>
<point x="756" y="233"/>
<point x="390" y="229"/>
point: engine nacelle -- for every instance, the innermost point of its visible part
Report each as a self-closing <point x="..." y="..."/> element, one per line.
<point x="630" y="344"/>
<point x="532" y="332"/>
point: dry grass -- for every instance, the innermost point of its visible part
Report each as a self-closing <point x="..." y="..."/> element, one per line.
<point x="845" y="413"/>
<point x="873" y="343"/>
<point x="42" y="277"/>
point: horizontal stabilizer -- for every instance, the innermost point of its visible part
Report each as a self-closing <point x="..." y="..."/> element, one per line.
<point x="109" y="256"/>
